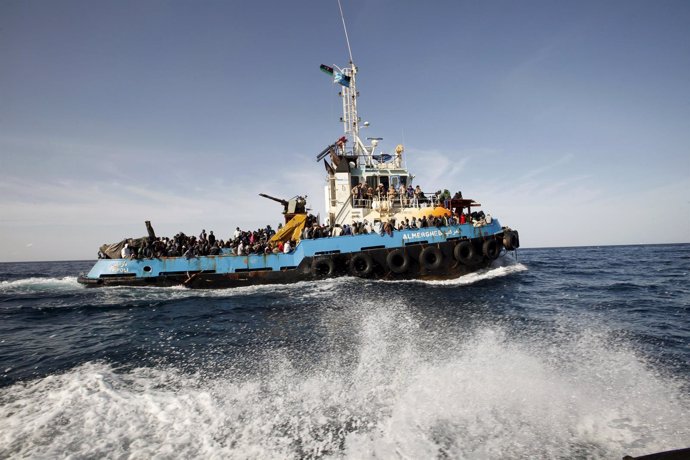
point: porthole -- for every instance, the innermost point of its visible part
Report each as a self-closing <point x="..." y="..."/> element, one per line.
<point x="147" y="268"/>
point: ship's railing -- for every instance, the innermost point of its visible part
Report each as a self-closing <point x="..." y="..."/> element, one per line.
<point x="362" y="203"/>
<point x="395" y="203"/>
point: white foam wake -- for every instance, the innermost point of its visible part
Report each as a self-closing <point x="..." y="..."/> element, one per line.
<point x="37" y="283"/>
<point x="302" y="288"/>
<point x="480" y="275"/>
<point x="500" y="268"/>
<point x="407" y="392"/>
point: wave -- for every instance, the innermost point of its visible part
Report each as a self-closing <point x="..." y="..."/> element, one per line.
<point x="404" y="391"/>
<point x="482" y="275"/>
<point x="499" y="268"/>
<point x="37" y="283"/>
<point x="181" y="292"/>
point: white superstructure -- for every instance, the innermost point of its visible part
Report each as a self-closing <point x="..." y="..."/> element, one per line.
<point x="356" y="164"/>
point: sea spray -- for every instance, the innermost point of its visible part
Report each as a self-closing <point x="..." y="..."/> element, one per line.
<point x="560" y="356"/>
<point x="407" y="392"/>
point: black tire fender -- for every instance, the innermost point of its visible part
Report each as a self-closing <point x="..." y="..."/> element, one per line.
<point x="464" y="252"/>
<point x="431" y="258"/>
<point x="510" y="241"/>
<point x="322" y="267"/>
<point x="491" y="248"/>
<point x="398" y="261"/>
<point x="361" y="264"/>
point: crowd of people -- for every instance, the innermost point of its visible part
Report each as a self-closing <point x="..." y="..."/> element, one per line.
<point x="258" y="241"/>
<point x="363" y="195"/>
<point x="206" y="244"/>
<point x="365" y="227"/>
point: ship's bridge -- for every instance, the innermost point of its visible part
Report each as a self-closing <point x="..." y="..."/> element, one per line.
<point x="362" y="184"/>
<point x="361" y="189"/>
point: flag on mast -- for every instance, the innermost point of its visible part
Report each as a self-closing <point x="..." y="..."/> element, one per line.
<point x="341" y="78"/>
<point x="338" y="77"/>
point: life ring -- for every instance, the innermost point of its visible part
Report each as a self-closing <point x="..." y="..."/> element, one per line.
<point x="322" y="267"/>
<point x="464" y="252"/>
<point x="431" y="258"/>
<point x="361" y="265"/>
<point x="398" y="261"/>
<point x="510" y="241"/>
<point x="491" y="248"/>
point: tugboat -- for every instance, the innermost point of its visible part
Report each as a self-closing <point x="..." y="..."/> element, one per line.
<point x="378" y="226"/>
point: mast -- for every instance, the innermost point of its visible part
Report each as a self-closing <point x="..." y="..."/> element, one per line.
<point x="350" y="119"/>
<point x="349" y="94"/>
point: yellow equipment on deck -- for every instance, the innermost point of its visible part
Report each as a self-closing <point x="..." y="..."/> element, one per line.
<point x="291" y="231"/>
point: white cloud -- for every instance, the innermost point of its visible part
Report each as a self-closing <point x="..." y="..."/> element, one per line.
<point x="432" y="168"/>
<point x="554" y="206"/>
<point x="69" y="218"/>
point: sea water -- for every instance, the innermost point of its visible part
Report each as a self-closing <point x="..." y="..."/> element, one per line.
<point x="562" y="353"/>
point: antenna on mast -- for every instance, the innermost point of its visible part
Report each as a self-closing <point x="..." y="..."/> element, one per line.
<point x="347" y="39"/>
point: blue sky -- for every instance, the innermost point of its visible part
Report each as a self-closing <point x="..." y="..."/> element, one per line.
<point x="569" y="121"/>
